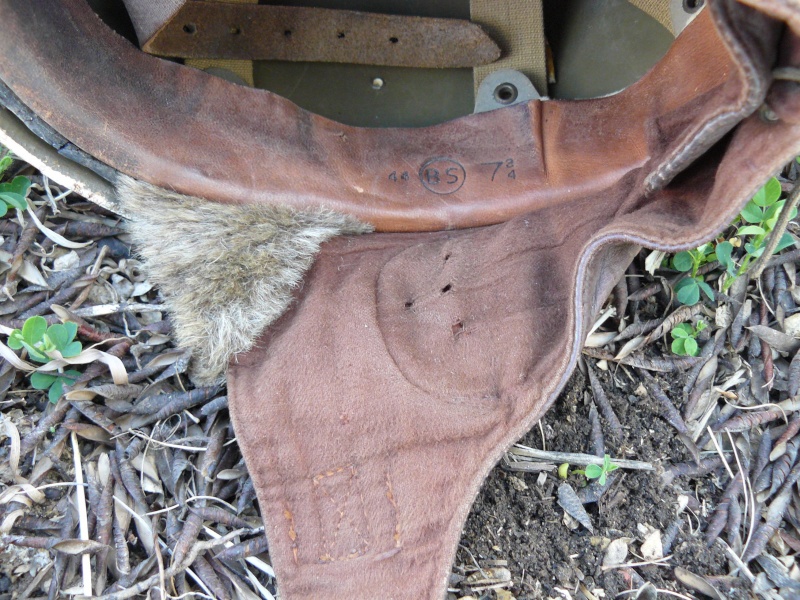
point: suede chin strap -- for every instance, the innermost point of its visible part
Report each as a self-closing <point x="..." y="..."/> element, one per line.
<point x="371" y="412"/>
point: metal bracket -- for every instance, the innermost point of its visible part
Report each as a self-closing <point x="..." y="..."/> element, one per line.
<point x="684" y="12"/>
<point x="504" y="88"/>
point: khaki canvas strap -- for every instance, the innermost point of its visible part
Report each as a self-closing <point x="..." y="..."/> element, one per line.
<point x="518" y="27"/>
<point x="658" y="9"/>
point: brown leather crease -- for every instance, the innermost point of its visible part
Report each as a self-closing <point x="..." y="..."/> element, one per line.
<point x="176" y="127"/>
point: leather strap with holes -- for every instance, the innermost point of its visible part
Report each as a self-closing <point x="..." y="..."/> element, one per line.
<point x="241" y="68"/>
<point x="202" y="29"/>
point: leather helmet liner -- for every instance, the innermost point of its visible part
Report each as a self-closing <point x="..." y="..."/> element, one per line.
<point x="408" y="360"/>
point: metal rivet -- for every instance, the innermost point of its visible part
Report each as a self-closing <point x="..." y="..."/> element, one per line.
<point x="505" y="93"/>
<point x="767" y="114"/>
<point x="692" y="6"/>
<point x="377" y="83"/>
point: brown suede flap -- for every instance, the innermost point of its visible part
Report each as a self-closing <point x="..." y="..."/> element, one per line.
<point x="370" y="413"/>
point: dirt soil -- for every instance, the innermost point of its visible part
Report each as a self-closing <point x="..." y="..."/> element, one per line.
<point x="524" y="525"/>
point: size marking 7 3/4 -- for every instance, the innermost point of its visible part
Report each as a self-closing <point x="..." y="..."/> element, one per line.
<point x="507" y="167"/>
<point x="442" y="175"/>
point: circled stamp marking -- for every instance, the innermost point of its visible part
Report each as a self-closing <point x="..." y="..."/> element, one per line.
<point x="442" y="175"/>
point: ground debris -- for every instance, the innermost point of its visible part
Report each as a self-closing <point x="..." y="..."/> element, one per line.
<point x="127" y="433"/>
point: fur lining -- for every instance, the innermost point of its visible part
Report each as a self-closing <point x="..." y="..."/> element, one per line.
<point x="226" y="271"/>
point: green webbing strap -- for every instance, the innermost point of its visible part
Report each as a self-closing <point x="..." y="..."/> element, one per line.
<point x="518" y="28"/>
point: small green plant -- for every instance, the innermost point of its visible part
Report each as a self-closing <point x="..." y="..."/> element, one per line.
<point x="599" y="472"/>
<point x="54" y="384"/>
<point x="13" y="193"/>
<point x="684" y="338"/>
<point x="41" y="341"/>
<point x="688" y="289"/>
<point x="759" y="217"/>
<point x="6" y="160"/>
<point x="754" y="225"/>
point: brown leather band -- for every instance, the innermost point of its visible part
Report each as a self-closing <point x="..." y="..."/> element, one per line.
<point x="178" y="128"/>
<point x="262" y="32"/>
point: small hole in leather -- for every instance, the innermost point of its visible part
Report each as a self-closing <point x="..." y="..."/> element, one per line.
<point x="449" y="342"/>
<point x="393" y="40"/>
<point x="190" y="28"/>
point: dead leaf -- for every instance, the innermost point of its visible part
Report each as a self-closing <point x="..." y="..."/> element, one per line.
<point x="569" y="501"/>
<point x="651" y="547"/>
<point x="630" y="347"/>
<point x="74" y="547"/>
<point x="775" y="339"/>
<point x="600" y="339"/>
<point x="616" y="553"/>
<point x="70" y="260"/>
<point x="653" y="261"/>
<point x="791" y="325"/>
<point x="696" y="582"/>
<point x="32" y="275"/>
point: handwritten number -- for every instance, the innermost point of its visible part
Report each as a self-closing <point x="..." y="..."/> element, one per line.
<point x="507" y="163"/>
<point x="497" y="166"/>
<point x="393" y="176"/>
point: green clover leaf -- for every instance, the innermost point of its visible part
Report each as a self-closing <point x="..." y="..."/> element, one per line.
<point x="724" y="251"/>
<point x="687" y="291"/>
<point x="33" y="330"/>
<point x="752" y="213"/>
<point x="683" y="261"/>
<point x="593" y="471"/>
<point x="768" y="194"/>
